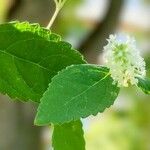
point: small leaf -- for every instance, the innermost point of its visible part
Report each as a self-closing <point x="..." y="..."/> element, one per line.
<point x="78" y="91"/>
<point x="68" y="136"/>
<point x="144" y="84"/>
<point x="29" y="57"/>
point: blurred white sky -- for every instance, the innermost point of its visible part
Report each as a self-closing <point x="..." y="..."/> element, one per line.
<point x="135" y="12"/>
<point x="92" y="10"/>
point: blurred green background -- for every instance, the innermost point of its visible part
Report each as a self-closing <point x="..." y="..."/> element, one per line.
<point x="85" y="24"/>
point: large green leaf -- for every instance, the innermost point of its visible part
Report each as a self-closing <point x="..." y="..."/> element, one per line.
<point x="10" y="33"/>
<point x="144" y="84"/>
<point x="68" y="136"/>
<point x="78" y="91"/>
<point x="28" y="63"/>
<point x="29" y="57"/>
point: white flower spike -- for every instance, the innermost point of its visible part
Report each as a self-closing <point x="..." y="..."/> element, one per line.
<point x="124" y="61"/>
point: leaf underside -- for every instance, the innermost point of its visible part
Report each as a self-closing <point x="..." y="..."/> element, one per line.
<point x="70" y="135"/>
<point x="78" y="91"/>
<point x="144" y="85"/>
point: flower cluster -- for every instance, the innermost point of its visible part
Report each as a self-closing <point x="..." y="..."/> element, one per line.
<point x="124" y="61"/>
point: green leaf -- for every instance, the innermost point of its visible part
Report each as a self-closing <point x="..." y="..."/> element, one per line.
<point x="12" y="32"/>
<point x="78" y="91"/>
<point x="144" y="84"/>
<point x="30" y="61"/>
<point x="68" y="136"/>
<point x="29" y="57"/>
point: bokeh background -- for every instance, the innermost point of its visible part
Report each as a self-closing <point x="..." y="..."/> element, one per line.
<point x="85" y="24"/>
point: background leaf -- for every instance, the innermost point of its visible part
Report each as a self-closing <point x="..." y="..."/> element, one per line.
<point x="78" y="91"/>
<point x="144" y="85"/>
<point x="29" y="58"/>
<point x="68" y="136"/>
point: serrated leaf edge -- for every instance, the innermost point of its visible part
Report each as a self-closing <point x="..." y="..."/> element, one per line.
<point x="85" y="116"/>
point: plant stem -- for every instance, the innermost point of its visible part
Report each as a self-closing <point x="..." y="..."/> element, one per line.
<point x="53" y="17"/>
<point x="59" y="5"/>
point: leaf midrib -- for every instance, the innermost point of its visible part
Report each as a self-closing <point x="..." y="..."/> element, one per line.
<point x="64" y="105"/>
<point x="87" y="89"/>
<point x="25" y="60"/>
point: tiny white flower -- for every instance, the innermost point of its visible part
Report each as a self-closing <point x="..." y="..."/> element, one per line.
<point x="124" y="60"/>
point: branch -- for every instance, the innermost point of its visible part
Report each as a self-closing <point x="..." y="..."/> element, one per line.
<point x="97" y="39"/>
